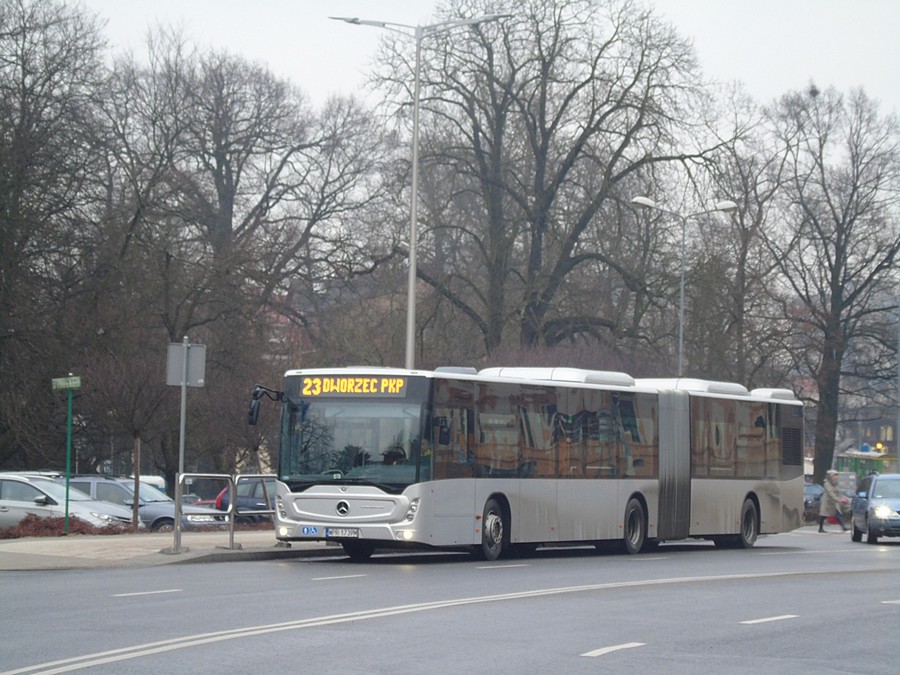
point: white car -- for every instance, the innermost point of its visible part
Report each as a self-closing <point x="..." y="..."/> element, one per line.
<point x="21" y="495"/>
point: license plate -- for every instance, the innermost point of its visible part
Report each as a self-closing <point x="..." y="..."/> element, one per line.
<point x="341" y="532"/>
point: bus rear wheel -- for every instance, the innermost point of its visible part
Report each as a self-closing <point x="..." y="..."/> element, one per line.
<point x="635" y="526"/>
<point x="749" y="529"/>
<point x="493" y="528"/>
<point x="749" y="525"/>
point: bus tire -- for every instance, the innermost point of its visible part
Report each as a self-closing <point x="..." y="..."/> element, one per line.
<point x="635" y="527"/>
<point x="493" y="530"/>
<point x="749" y="525"/>
<point x="358" y="551"/>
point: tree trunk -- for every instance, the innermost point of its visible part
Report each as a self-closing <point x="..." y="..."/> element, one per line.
<point x="828" y="382"/>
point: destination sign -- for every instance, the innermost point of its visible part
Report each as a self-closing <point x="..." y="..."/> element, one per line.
<point x="344" y="385"/>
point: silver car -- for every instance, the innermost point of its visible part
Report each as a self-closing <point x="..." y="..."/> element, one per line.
<point x="876" y="508"/>
<point x="23" y="495"/>
<point x="156" y="509"/>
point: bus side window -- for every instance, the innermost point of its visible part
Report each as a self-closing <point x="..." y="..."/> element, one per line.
<point x="450" y="453"/>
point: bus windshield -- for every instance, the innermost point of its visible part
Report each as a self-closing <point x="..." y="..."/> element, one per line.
<point x="351" y="441"/>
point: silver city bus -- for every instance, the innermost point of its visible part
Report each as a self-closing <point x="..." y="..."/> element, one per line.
<point x="506" y="459"/>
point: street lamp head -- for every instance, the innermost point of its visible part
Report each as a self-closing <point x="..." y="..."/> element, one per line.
<point x="645" y="202"/>
<point x="356" y="21"/>
<point x="726" y="205"/>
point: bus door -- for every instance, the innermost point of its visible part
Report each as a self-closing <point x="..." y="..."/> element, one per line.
<point x="452" y="450"/>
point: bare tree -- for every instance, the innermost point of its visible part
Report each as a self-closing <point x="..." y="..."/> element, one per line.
<point x="736" y="331"/>
<point x="837" y="241"/>
<point x="49" y="62"/>
<point x="535" y="126"/>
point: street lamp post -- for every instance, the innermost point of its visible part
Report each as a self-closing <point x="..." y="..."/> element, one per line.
<point x="417" y="33"/>
<point x="646" y="202"/>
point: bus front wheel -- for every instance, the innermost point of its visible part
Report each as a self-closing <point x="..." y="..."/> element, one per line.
<point x="492" y="530"/>
<point x="635" y="526"/>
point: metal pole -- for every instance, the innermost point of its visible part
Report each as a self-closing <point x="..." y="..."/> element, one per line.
<point x="647" y="203"/>
<point x="413" y="214"/>
<point x="418" y="33"/>
<point x="681" y="302"/>
<point x="68" y="455"/>
<point x="184" y="382"/>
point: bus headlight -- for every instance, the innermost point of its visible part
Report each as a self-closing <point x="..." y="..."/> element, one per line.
<point x="411" y="511"/>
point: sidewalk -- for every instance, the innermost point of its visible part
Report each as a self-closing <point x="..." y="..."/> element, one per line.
<point x="146" y="550"/>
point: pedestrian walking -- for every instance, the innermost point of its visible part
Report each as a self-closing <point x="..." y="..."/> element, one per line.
<point x="832" y="499"/>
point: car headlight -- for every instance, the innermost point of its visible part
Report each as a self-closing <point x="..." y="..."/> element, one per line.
<point x="200" y="518"/>
<point x="102" y="516"/>
<point x="883" y="511"/>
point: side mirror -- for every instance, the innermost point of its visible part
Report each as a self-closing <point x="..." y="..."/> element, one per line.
<point x="253" y="413"/>
<point x="44" y="500"/>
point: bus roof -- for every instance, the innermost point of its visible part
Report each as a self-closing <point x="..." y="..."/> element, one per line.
<point x="562" y="375"/>
<point x="557" y="375"/>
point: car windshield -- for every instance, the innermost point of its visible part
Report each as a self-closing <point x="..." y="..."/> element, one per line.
<point x="58" y="491"/>
<point x="148" y="492"/>
<point x="887" y="489"/>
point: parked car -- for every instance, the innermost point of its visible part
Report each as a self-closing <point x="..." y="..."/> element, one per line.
<point x="44" y="497"/>
<point x="812" y="497"/>
<point x="156" y="509"/>
<point x="251" y="496"/>
<point x="875" y="508"/>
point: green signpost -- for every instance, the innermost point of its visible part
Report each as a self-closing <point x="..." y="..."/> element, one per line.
<point x="68" y="385"/>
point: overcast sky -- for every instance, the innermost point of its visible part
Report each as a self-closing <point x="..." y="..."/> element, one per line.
<point x="772" y="46"/>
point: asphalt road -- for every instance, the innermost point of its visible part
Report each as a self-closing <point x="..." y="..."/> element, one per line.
<point x="797" y="603"/>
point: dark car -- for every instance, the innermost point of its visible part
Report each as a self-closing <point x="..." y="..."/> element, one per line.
<point x="251" y="496"/>
<point x="812" y="498"/>
<point x="156" y="509"/>
<point x="875" y="508"/>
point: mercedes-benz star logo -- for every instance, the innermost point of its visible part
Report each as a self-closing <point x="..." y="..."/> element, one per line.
<point x="343" y="508"/>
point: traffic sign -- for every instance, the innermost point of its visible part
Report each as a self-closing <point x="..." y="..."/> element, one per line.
<point x="64" y="383"/>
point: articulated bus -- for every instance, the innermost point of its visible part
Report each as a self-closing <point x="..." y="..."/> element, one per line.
<point x="507" y="459"/>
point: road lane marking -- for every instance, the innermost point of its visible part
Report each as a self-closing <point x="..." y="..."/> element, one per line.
<point x="70" y="664"/>
<point x="131" y="595"/>
<point x="825" y="551"/>
<point x="500" y="567"/>
<point x="770" y="618"/>
<point x="890" y="602"/>
<point x="607" y="650"/>
<point x="343" y="576"/>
